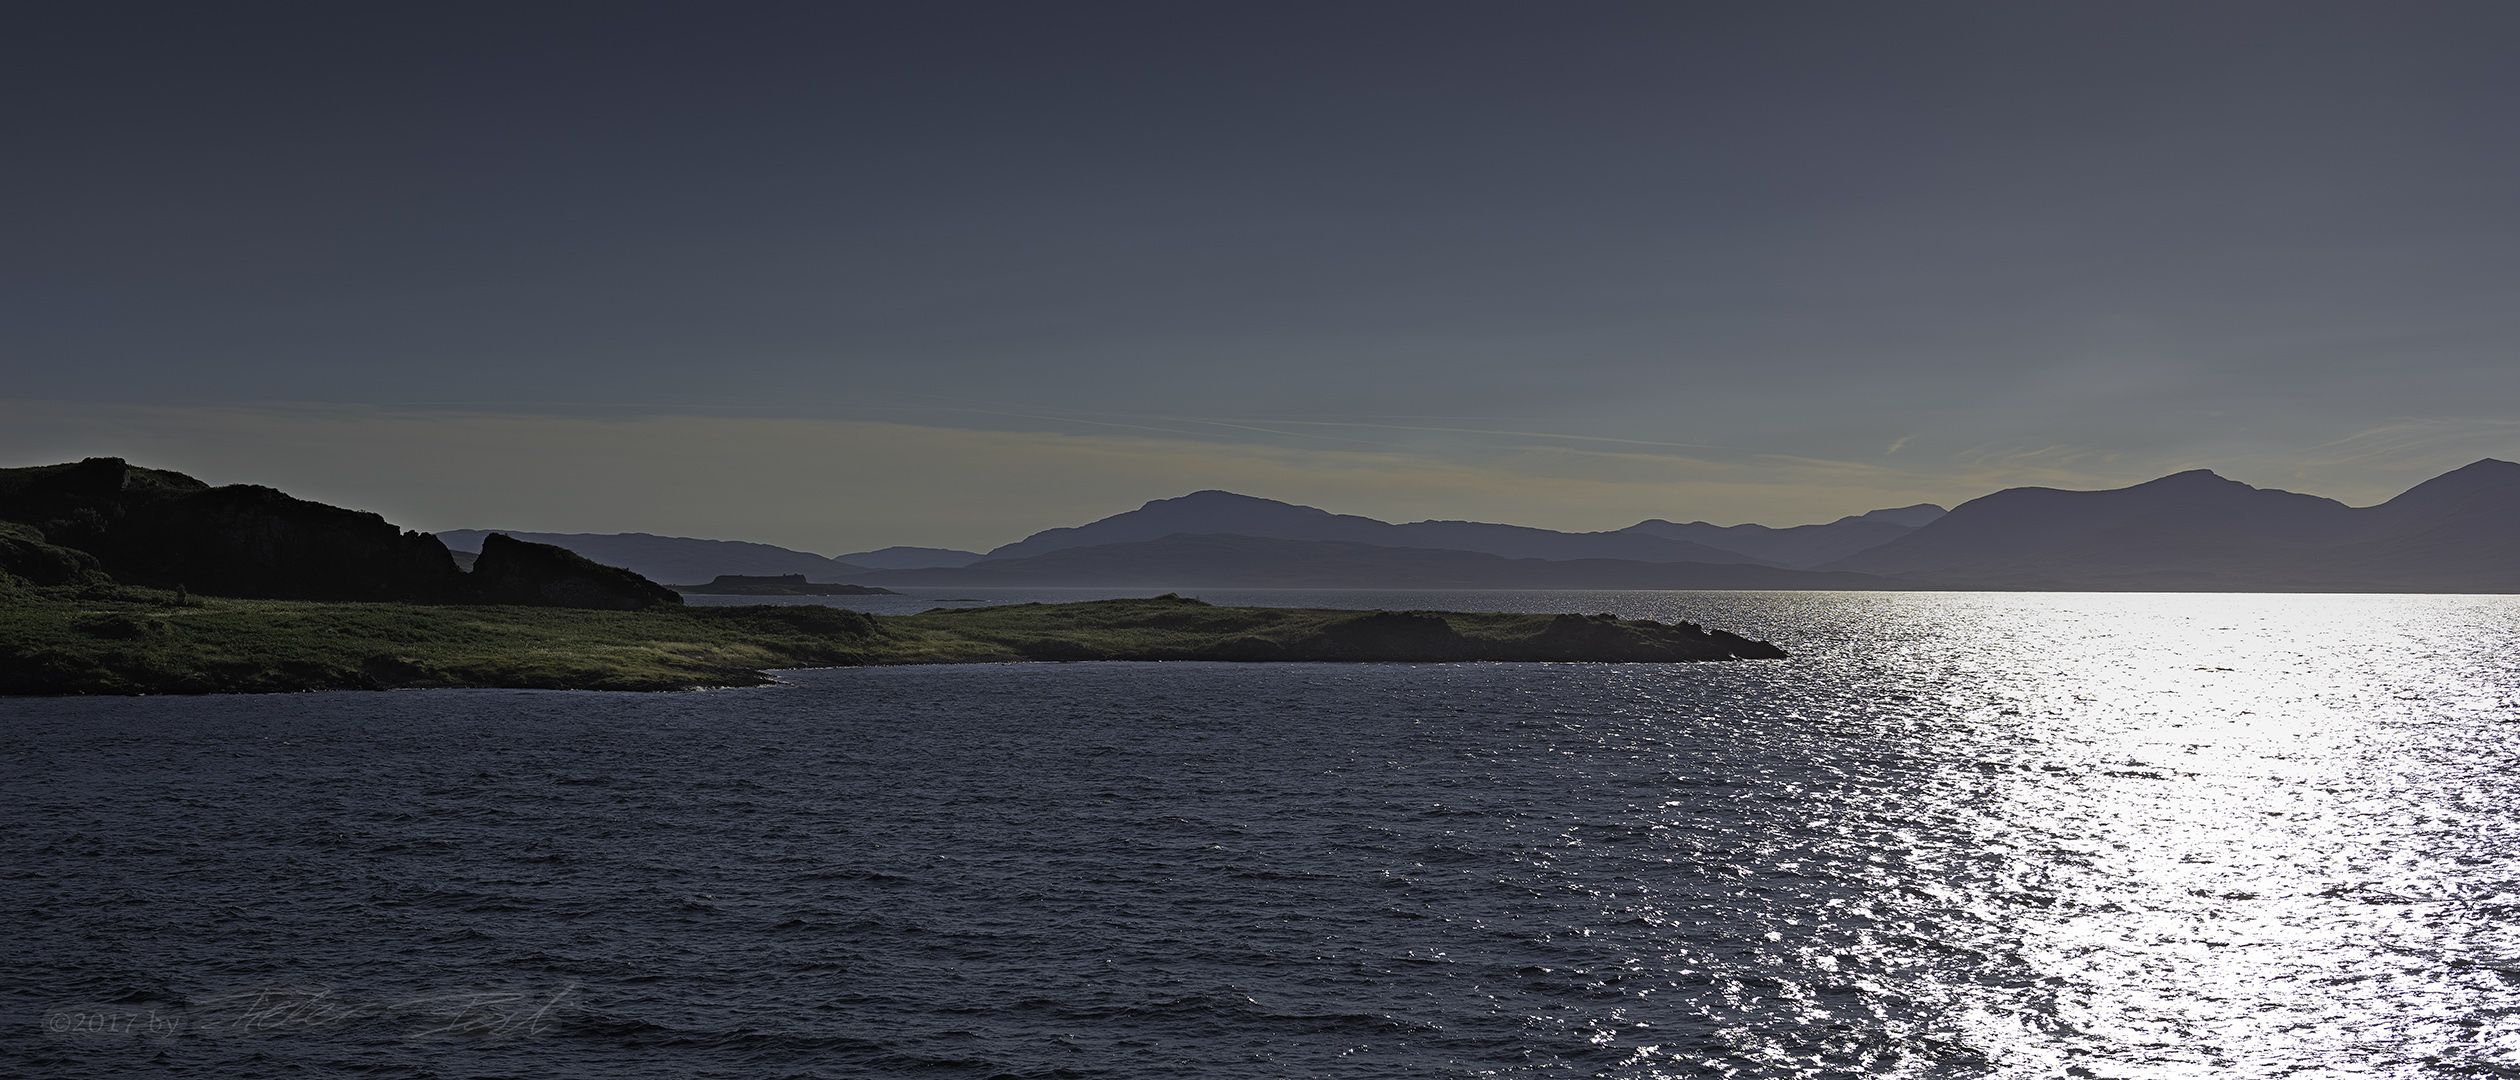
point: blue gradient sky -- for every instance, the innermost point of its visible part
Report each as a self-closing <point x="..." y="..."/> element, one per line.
<point x="840" y="276"/>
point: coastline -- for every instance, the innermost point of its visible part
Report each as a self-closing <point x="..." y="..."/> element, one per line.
<point x="131" y="641"/>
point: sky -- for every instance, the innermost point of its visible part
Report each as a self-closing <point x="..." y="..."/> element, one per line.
<point x="837" y="276"/>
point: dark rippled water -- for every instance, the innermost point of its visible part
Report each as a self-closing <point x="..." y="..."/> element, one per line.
<point x="1956" y="835"/>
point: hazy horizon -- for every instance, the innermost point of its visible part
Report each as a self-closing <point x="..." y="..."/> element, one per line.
<point x="843" y="277"/>
<point x="984" y="548"/>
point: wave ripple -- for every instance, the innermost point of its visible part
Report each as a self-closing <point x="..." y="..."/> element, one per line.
<point x="1957" y="835"/>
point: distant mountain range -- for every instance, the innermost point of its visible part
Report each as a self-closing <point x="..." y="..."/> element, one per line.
<point x="1223" y="512"/>
<point x="1217" y="518"/>
<point x="2459" y="532"/>
<point x="1801" y="546"/>
<point x="1219" y="560"/>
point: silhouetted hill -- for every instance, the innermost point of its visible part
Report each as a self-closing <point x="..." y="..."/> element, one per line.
<point x="103" y="520"/>
<point x="2459" y="531"/>
<point x="164" y="529"/>
<point x="2165" y="523"/>
<point x="675" y="558"/>
<point x="1222" y="561"/>
<point x="908" y="558"/>
<point x="1223" y="512"/>
<point x="512" y="571"/>
<point x="2198" y="530"/>
<point x="1800" y="546"/>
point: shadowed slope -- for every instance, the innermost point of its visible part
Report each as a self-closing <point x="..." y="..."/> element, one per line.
<point x="521" y="572"/>
<point x="102" y="520"/>
<point x="152" y="527"/>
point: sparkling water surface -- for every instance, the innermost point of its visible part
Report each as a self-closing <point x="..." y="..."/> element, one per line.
<point x="1955" y="835"/>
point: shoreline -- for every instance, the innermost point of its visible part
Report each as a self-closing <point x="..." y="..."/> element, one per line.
<point x="123" y="641"/>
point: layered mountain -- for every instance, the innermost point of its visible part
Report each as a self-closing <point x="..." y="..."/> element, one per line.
<point x="1233" y="561"/>
<point x="2458" y="532"/>
<point x="674" y="558"/>
<point x="1800" y="545"/>
<point x="2192" y="530"/>
<point x="1225" y="513"/>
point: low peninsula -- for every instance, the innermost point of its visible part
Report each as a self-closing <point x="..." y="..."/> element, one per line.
<point x="130" y="640"/>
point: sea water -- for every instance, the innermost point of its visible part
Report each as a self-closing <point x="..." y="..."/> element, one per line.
<point x="1954" y="835"/>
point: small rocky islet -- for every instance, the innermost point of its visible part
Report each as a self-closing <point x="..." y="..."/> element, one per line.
<point x="775" y="585"/>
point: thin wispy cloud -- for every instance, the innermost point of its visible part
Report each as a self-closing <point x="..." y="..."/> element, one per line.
<point x="2069" y="245"/>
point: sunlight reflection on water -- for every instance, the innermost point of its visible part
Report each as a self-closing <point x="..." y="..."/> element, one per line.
<point x="2163" y="835"/>
<point x="2220" y="835"/>
<point x="1955" y="835"/>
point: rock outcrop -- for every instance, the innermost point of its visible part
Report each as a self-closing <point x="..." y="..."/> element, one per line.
<point x="26" y="558"/>
<point x="247" y="540"/>
<point x="166" y="529"/>
<point x="512" y="571"/>
<point x="102" y="520"/>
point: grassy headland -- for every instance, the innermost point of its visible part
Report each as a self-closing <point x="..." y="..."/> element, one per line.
<point x="124" y="640"/>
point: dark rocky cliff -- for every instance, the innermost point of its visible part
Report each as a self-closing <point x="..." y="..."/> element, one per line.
<point x="512" y="571"/>
<point x="245" y="540"/>
<point x="104" y="520"/>
<point x="152" y="527"/>
<point x="25" y="555"/>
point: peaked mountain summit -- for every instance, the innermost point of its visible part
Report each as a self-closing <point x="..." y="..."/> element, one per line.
<point x="2196" y="529"/>
<point x="899" y="557"/>
<point x="1226" y="513"/>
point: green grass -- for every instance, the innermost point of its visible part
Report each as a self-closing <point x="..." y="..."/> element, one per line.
<point x="1169" y="628"/>
<point x="137" y="641"/>
<point x="119" y="640"/>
